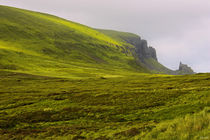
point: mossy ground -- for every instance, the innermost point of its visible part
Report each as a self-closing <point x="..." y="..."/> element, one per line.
<point x="38" y="107"/>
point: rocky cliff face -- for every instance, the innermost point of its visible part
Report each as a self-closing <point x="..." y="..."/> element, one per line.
<point x="143" y="51"/>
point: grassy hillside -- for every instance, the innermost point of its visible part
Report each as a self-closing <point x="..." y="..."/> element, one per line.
<point x="156" y="67"/>
<point x="125" y="37"/>
<point x="42" y="44"/>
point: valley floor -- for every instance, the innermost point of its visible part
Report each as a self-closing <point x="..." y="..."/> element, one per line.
<point x="136" y="107"/>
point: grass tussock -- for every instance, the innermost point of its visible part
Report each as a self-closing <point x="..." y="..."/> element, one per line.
<point x="190" y="127"/>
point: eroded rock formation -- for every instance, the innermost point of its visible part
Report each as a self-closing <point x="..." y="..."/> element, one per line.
<point x="185" y="69"/>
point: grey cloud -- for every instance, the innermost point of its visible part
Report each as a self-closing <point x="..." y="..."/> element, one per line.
<point x="178" y="29"/>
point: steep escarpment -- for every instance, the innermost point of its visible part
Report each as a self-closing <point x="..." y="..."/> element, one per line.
<point x="146" y="54"/>
<point x="143" y="53"/>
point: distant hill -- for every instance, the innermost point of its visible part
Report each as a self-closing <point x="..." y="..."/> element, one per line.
<point x="42" y="44"/>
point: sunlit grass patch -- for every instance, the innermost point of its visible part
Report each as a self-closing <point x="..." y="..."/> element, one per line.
<point x="190" y="127"/>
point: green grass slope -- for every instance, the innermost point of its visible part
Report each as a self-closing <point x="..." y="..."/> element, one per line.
<point x="36" y="43"/>
<point x="125" y="37"/>
<point x="156" y="67"/>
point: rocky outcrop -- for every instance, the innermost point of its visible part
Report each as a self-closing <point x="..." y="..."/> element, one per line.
<point x="153" y="53"/>
<point x="184" y="69"/>
<point x="143" y="51"/>
<point x="147" y="55"/>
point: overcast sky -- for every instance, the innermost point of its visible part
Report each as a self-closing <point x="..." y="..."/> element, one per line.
<point x="178" y="29"/>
